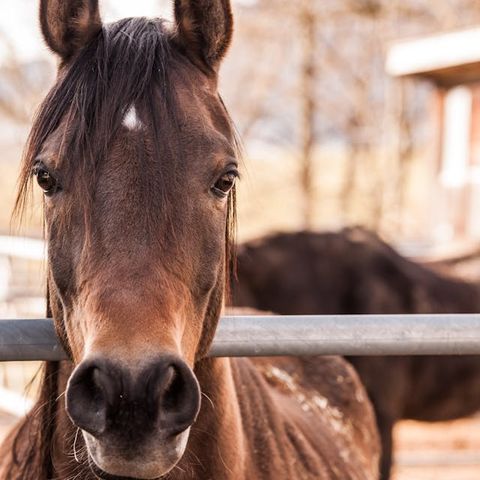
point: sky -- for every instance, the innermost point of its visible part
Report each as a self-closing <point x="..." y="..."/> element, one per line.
<point x="19" y="23"/>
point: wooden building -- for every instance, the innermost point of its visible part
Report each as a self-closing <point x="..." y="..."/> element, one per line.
<point x="451" y="61"/>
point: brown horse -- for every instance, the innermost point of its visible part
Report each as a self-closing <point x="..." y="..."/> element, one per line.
<point x="137" y="158"/>
<point x="354" y="272"/>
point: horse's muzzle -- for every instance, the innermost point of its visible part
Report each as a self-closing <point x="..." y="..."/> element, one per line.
<point x="130" y="411"/>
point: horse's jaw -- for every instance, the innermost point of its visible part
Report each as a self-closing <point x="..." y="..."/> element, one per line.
<point x="152" y="461"/>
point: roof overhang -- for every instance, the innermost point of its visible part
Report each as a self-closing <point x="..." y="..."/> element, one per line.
<point x="447" y="59"/>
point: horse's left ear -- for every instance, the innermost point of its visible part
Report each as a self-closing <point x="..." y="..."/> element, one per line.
<point x="204" y="29"/>
<point x="68" y="25"/>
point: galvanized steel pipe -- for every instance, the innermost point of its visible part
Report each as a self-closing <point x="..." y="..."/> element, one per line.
<point x="290" y="335"/>
<point x="348" y="335"/>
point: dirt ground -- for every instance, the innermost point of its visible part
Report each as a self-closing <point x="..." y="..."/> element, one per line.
<point x="440" y="451"/>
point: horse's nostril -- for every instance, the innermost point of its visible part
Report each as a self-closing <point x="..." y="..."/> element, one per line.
<point x="173" y="391"/>
<point x="87" y="398"/>
<point x="178" y="395"/>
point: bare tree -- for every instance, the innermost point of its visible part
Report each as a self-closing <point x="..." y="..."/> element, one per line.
<point x="22" y="84"/>
<point x="307" y="19"/>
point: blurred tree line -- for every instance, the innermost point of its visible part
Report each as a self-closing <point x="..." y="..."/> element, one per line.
<point x="311" y="72"/>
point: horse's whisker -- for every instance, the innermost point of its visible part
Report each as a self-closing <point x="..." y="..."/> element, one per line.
<point x="75" y="445"/>
<point x="209" y="399"/>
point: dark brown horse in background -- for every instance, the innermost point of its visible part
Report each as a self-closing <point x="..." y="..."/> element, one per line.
<point x="136" y="156"/>
<point x="354" y="272"/>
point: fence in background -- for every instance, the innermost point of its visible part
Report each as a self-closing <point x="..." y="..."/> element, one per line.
<point x="21" y="276"/>
<point x="21" y="293"/>
<point x="29" y="248"/>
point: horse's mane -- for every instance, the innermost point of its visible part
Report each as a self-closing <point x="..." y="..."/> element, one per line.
<point x="127" y="63"/>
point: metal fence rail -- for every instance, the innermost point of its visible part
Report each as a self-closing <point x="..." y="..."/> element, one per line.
<point x="23" y="247"/>
<point x="290" y="335"/>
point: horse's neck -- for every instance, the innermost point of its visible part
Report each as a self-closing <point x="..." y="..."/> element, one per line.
<point x="215" y="448"/>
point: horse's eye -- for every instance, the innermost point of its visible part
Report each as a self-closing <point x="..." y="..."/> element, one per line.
<point x="45" y="180"/>
<point x="224" y="184"/>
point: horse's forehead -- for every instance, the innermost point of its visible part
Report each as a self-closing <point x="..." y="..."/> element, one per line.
<point x="200" y="127"/>
<point x="200" y="107"/>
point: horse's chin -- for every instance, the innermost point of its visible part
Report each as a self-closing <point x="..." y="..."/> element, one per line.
<point x="101" y="475"/>
<point x="152" y="464"/>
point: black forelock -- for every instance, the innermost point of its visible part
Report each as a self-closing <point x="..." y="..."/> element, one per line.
<point x="126" y="64"/>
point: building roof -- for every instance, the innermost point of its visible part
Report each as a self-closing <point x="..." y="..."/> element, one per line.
<point x="448" y="59"/>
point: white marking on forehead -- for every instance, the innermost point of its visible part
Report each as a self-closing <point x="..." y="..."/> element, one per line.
<point x="131" y="120"/>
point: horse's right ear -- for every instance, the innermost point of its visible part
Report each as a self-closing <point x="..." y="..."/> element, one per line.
<point x="68" y="25"/>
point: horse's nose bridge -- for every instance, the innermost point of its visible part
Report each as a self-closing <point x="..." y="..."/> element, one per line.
<point x="118" y="291"/>
<point x="131" y="317"/>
